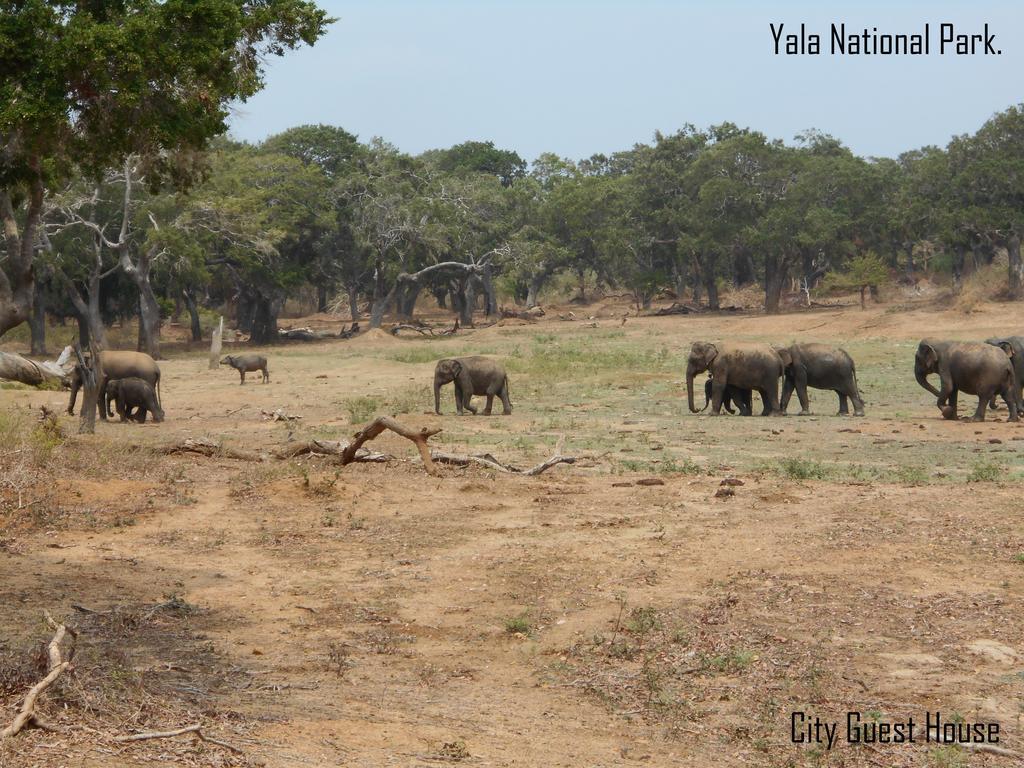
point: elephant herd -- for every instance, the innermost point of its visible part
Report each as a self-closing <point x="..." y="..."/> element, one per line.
<point x="985" y="369"/>
<point x="131" y="380"/>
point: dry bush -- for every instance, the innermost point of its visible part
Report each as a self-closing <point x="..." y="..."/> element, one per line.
<point x="989" y="283"/>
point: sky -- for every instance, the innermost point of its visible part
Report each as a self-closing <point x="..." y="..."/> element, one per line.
<point x="578" y="78"/>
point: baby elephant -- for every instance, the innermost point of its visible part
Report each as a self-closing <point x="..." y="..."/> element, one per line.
<point x="247" y="363"/>
<point x="472" y="376"/>
<point x="132" y="393"/>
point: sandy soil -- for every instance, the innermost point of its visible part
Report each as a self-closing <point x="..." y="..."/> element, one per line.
<point x="375" y="616"/>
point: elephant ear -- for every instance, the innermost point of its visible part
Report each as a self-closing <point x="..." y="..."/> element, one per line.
<point x="456" y="367"/>
<point x="928" y="354"/>
<point x="710" y="353"/>
<point x="787" y="357"/>
<point x="1007" y="347"/>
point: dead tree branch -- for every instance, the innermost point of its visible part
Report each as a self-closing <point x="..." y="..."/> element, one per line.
<point x="193" y="729"/>
<point x="381" y="423"/>
<point x="329" y="448"/>
<point x="487" y="460"/>
<point x="27" y="716"/>
<point x="206" y="447"/>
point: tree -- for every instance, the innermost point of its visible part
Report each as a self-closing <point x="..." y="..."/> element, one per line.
<point x="864" y="271"/>
<point x="87" y="84"/>
<point x="480" y="157"/>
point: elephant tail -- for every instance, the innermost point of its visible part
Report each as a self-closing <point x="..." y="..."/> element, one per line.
<point x="508" y="389"/>
<point x="158" y="400"/>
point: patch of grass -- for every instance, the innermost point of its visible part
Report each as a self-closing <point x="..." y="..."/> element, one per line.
<point x="518" y="625"/>
<point x="1019" y="558"/>
<point x="947" y="757"/>
<point x="642" y="620"/>
<point x="734" y="661"/>
<point x="361" y="409"/>
<point x="803" y="469"/>
<point x="986" y="471"/>
<point x="587" y="356"/>
<point x="413" y="399"/>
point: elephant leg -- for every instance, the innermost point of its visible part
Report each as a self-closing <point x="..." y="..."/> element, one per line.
<point x="800" y="381"/>
<point x="1011" y="403"/>
<point x="765" y="407"/>
<point x="458" y="398"/>
<point x="101" y="399"/>
<point x="266" y="376"/>
<point x="717" y="395"/>
<point x="468" y="403"/>
<point x="979" y="414"/>
<point x="141" y="415"/>
<point x="771" y="404"/>
<point x="844" y="408"/>
<point x="506" y="403"/>
<point x="242" y="375"/>
<point x="854" y="394"/>
<point x="490" y="403"/>
<point x="787" y="392"/>
<point x="746" y="402"/>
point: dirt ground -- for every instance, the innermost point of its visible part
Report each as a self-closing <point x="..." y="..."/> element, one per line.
<point x="618" y="611"/>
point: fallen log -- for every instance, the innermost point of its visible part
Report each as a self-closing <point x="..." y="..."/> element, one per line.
<point x="675" y="308"/>
<point x="381" y="423"/>
<point x="27" y="715"/>
<point x="301" y="334"/>
<point x="196" y="730"/>
<point x="329" y="448"/>
<point x="487" y="460"/>
<point x="17" y="368"/>
<point x="206" y="447"/>
<point x="533" y="313"/>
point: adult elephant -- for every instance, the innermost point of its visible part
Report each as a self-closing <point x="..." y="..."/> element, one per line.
<point x="472" y="376"/>
<point x="118" y="365"/>
<point x="821" y="367"/>
<point x="974" y="367"/>
<point x="745" y="366"/>
<point x="1013" y="346"/>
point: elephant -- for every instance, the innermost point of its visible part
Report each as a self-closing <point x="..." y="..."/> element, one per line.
<point x="821" y="367"/>
<point x="118" y="365"/>
<point x="1014" y="346"/>
<point x="742" y="398"/>
<point x="974" y="367"/>
<point x="472" y="376"/>
<point x="247" y="363"/>
<point x="743" y="366"/>
<point x="132" y="393"/>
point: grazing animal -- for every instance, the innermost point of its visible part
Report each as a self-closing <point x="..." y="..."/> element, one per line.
<point x="822" y="367"/>
<point x="743" y="366"/>
<point x="117" y="365"/>
<point x="472" y="376"/>
<point x="246" y="364"/>
<point x="974" y="367"/>
<point x="132" y="393"/>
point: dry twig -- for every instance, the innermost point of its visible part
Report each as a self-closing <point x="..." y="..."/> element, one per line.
<point x="27" y="716"/>
<point x="194" y="729"/>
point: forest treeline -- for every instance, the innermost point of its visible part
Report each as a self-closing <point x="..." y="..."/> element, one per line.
<point x="117" y="219"/>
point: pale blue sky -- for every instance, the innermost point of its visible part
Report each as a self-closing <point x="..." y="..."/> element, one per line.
<point x="576" y="77"/>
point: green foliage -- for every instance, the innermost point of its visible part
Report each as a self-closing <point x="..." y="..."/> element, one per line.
<point x="986" y="471"/>
<point x="361" y="409"/>
<point x="803" y="469"/>
<point x="519" y="625"/>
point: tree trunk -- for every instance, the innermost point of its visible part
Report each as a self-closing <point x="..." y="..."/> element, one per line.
<point x="533" y="291"/>
<point x="440" y="294"/>
<point x="581" y="277"/>
<point x="490" y="295"/>
<point x="193" y="313"/>
<point x="244" y="311"/>
<point x="959" y="256"/>
<point x="17" y="278"/>
<point x="37" y="322"/>
<point x="215" y="344"/>
<point x="774" y="281"/>
<point x="321" y="297"/>
<point x="1016" y="268"/>
<point x="711" y="287"/>
<point x="468" y="302"/>
<point x="743" y="267"/>
<point x="264" y="323"/>
<point x="149" y="321"/>
<point x="405" y="300"/>
<point x="353" y="303"/>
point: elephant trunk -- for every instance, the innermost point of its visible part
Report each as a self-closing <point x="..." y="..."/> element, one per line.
<point x="689" y="390"/>
<point x="922" y="379"/>
<point x="437" y="396"/>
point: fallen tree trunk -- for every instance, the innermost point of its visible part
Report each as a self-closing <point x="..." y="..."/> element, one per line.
<point x="27" y="716"/>
<point x="487" y="460"/>
<point x="17" y="368"/>
<point x="381" y="423"/>
<point x="206" y="447"/>
<point x="196" y="730"/>
<point x="329" y="448"/>
<point x="301" y="334"/>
